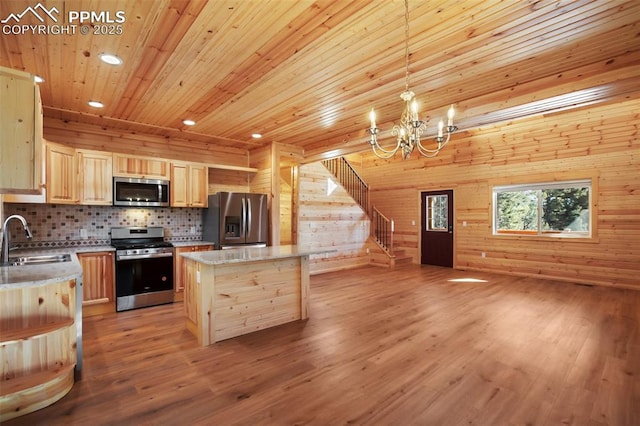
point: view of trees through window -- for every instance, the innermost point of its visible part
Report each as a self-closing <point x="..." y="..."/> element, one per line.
<point x="437" y="213"/>
<point x="543" y="209"/>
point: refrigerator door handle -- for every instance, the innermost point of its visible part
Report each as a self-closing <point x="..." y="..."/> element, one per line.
<point x="243" y="220"/>
<point x="248" y="216"/>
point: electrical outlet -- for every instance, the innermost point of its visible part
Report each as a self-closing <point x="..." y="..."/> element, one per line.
<point x="368" y="250"/>
<point x="193" y="229"/>
<point x="483" y="254"/>
<point x="83" y="233"/>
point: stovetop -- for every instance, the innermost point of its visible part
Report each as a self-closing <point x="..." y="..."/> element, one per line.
<point x="138" y="237"/>
<point x="129" y="244"/>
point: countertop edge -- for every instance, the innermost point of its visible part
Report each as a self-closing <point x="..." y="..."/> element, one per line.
<point x="251" y="254"/>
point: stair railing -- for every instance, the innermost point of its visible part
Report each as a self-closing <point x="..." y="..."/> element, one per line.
<point x="381" y="226"/>
<point x="350" y="180"/>
<point x="382" y="230"/>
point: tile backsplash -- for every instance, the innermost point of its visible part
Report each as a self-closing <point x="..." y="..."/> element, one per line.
<point x="54" y="225"/>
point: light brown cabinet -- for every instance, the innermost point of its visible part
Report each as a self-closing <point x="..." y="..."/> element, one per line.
<point x="140" y="167"/>
<point x="21" y="151"/>
<point x="39" y="341"/>
<point x="62" y="175"/>
<point x="78" y="176"/>
<point x="179" y="271"/>
<point x="98" y="284"/>
<point x="189" y="185"/>
<point x="95" y="177"/>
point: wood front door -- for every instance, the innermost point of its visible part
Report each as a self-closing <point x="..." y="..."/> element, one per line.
<point x="437" y="228"/>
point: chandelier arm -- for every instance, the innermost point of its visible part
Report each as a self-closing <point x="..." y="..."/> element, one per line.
<point x="392" y="151"/>
<point x="430" y="153"/>
<point x="382" y="153"/>
<point x="375" y="145"/>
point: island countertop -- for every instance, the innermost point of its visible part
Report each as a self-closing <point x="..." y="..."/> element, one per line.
<point x="251" y="254"/>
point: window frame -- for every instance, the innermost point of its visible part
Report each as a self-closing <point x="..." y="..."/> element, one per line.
<point x="539" y="234"/>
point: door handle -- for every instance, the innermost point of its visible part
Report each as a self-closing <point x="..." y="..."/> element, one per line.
<point x="248" y="215"/>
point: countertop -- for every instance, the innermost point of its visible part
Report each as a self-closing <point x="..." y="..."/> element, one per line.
<point x="37" y="275"/>
<point x="250" y="254"/>
<point x="191" y="243"/>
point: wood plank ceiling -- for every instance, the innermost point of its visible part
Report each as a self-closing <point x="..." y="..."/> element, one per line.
<point x="307" y="72"/>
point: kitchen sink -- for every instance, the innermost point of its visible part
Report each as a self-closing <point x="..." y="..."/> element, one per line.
<point x="39" y="260"/>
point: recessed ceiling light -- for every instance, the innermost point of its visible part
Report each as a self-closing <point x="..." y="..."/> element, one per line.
<point x="256" y="135"/>
<point x="38" y="79"/>
<point x="188" y="122"/>
<point x="110" y="59"/>
<point x="96" y="104"/>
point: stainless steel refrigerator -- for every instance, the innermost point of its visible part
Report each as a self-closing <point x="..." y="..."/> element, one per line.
<point x="235" y="219"/>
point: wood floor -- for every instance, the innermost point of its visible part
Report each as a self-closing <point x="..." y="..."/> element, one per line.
<point x="404" y="347"/>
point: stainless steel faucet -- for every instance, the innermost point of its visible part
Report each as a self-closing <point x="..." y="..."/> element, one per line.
<point x="4" y="254"/>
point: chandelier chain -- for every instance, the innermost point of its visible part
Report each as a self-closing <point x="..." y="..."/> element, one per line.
<point x="406" y="45"/>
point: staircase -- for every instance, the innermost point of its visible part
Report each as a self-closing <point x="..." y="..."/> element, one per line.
<point x="380" y="247"/>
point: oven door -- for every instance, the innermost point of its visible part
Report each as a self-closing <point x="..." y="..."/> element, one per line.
<point x="145" y="281"/>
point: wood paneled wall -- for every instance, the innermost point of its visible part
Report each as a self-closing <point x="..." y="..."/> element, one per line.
<point x="330" y="221"/>
<point x="600" y="142"/>
<point x="261" y="181"/>
<point x="286" y="217"/>
<point x="221" y="180"/>
<point x="99" y="138"/>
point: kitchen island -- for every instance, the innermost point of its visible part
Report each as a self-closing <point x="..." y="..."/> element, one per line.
<point x="238" y="291"/>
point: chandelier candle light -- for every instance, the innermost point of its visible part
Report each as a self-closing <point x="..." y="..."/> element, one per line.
<point x="410" y="129"/>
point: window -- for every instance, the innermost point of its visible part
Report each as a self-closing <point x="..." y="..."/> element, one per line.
<point x="557" y="209"/>
<point x="437" y="213"/>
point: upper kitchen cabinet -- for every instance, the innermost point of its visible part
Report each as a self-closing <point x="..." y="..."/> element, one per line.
<point x="95" y="177"/>
<point x="21" y="147"/>
<point x="78" y="176"/>
<point x="140" y="167"/>
<point x="62" y="175"/>
<point x="189" y="185"/>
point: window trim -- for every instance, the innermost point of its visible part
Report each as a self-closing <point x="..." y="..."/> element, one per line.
<point x="553" y="183"/>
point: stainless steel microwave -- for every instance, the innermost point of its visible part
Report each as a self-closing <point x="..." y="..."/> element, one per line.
<point x="134" y="192"/>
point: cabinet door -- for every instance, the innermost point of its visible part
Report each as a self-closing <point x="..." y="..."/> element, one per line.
<point x="96" y="180"/>
<point x="189" y="185"/>
<point x="178" y="266"/>
<point x="179" y="185"/>
<point x="141" y="167"/>
<point x="198" y="182"/>
<point x="20" y="133"/>
<point x="62" y="175"/>
<point x="97" y="282"/>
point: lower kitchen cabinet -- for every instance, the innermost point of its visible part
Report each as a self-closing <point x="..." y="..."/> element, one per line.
<point x="39" y="344"/>
<point x="179" y="270"/>
<point x="98" y="284"/>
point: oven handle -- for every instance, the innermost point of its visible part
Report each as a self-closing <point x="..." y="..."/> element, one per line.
<point x="142" y="256"/>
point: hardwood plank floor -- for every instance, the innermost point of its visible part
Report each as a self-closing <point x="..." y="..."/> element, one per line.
<point x="390" y="347"/>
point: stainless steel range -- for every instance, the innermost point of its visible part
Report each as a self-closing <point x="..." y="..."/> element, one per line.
<point x="144" y="267"/>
